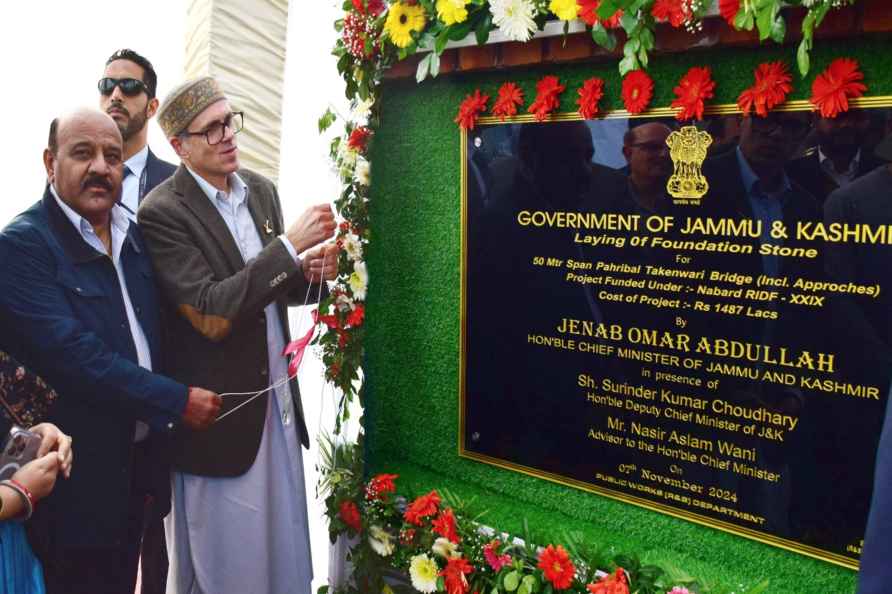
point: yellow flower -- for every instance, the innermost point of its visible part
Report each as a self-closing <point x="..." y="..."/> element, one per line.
<point x="566" y="10"/>
<point x="402" y="20"/>
<point x="452" y="11"/>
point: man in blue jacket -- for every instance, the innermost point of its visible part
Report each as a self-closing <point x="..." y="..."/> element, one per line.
<point x="78" y="305"/>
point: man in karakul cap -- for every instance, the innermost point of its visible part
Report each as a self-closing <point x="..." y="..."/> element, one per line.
<point x="227" y="268"/>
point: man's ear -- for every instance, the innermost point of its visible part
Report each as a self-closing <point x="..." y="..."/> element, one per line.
<point x="151" y="107"/>
<point x="626" y="152"/>
<point x="49" y="162"/>
<point x="179" y="146"/>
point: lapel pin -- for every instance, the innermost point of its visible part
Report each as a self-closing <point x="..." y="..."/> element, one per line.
<point x="267" y="227"/>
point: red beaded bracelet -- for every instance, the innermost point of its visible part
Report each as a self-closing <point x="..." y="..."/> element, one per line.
<point x="27" y="493"/>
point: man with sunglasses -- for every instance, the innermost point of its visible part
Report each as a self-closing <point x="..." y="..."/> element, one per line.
<point x="127" y="93"/>
<point x="228" y="268"/>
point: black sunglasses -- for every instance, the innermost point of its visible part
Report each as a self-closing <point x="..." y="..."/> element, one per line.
<point x="131" y="87"/>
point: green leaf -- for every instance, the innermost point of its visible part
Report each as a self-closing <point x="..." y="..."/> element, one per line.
<point x="779" y="30"/>
<point x="423" y="68"/>
<point x="531" y="582"/>
<point x="808" y="25"/>
<point x="483" y="28"/>
<point x="524" y="589"/>
<point x="802" y="58"/>
<point x="633" y="44"/>
<point x="628" y="21"/>
<point x="628" y="64"/>
<point x="511" y="581"/>
<point x="764" y="21"/>
<point x="607" y="8"/>
<point x="459" y="31"/>
<point x="441" y="41"/>
<point x="435" y="65"/>
<point x="603" y="38"/>
<point x="328" y="118"/>
<point x="743" y="20"/>
<point x="647" y="39"/>
<point x="642" y="57"/>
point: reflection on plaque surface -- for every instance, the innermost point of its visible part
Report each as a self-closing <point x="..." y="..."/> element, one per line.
<point x="723" y="358"/>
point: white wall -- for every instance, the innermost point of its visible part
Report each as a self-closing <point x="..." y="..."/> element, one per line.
<point x="53" y="54"/>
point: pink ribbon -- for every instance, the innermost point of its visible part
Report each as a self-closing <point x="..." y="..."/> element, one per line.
<point x="296" y="348"/>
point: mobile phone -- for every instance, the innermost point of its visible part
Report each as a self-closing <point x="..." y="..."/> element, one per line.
<point x="21" y="447"/>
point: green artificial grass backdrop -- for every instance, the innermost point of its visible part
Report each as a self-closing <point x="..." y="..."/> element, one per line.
<point x="413" y="322"/>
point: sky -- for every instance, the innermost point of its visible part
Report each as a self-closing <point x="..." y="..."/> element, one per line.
<point x="54" y="54"/>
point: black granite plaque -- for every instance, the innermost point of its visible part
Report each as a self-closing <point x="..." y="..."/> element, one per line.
<point x="724" y="359"/>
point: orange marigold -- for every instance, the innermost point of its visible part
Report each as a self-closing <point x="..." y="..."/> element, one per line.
<point x="637" y="91"/>
<point x="588" y="12"/>
<point x="444" y="525"/>
<point x="615" y="583"/>
<point x="589" y="95"/>
<point x="832" y="89"/>
<point x="548" y="91"/>
<point x="674" y="11"/>
<point x="773" y="83"/>
<point x="693" y="89"/>
<point x="470" y="109"/>
<point x="729" y="9"/>
<point x="510" y="97"/>
<point x="556" y="565"/>
<point x="423" y="507"/>
<point x="454" y="575"/>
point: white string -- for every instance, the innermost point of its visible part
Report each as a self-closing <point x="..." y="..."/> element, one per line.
<point x="280" y="383"/>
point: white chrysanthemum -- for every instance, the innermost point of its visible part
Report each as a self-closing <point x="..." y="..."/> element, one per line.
<point x="423" y="570"/>
<point x="363" y="109"/>
<point x="359" y="281"/>
<point x="514" y="18"/>
<point x="445" y="548"/>
<point x="353" y="246"/>
<point x="381" y="541"/>
<point x="363" y="171"/>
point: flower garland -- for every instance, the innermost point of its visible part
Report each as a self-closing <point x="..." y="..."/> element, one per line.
<point x="434" y="542"/>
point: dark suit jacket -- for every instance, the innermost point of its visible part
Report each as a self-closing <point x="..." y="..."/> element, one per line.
<point x="875" y="576"/>
<point x="156" y="172"/>
<point x="215" y="311"/>
<point x="807" y="171"/>
<point x="62" y="314"/>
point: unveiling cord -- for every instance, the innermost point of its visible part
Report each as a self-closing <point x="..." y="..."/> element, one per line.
<point x="255" y="395"/>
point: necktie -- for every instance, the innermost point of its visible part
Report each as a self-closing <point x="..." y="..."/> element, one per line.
<point x="127" y="172"/>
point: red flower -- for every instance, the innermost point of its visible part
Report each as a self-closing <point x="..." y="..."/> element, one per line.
<point x="591" y="92"/>
<point x="358" y="29"/>
<point x="491" y="554"/>
<point x="832" y="89"/>
<point x="638" y="89"/>
<point x="374" y="8"/>
<point x="329" y="320"/>
<point x="380" y="486"/>
<point x="454" y="575"/>
<point x="444" y="525"/>
<point x="350" y="515"/>
<point x="729" y="9"/>
<point x="355" y="317"/>
<point x="510" y="97"/>
<point x="674" y="11"/>
<point x="423" y="507"/>
<point x="547" y="92"/>
<point x="359" y="138"/>
<point x="771" y="88"/>
<point x="614" y="583"/>
<point x="470" y="109"/>
<point x="556" y="565"/>
<point x="694" y="88"/>
<point x="588" y="12"/>
<point x="407" y="536"/>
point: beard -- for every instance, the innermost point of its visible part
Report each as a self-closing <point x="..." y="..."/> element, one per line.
<point x="134" y="124"/>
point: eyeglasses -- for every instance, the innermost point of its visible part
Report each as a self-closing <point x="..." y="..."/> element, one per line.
<point x="131" y="87"/>
<point x="215" y="132"/>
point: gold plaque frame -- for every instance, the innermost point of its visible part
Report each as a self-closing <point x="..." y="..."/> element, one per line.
<point x="884" y="101"/>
